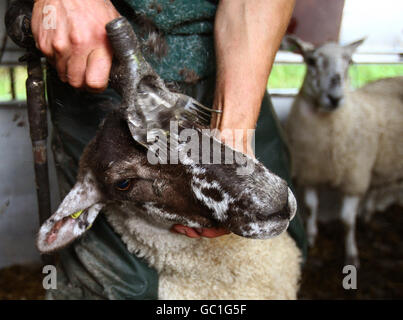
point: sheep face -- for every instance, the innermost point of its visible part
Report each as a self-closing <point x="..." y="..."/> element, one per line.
<point x="114" y="170"/>
<point x="327" y="72"/>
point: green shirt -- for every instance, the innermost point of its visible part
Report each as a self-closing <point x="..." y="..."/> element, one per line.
<point x="187" y="27"/>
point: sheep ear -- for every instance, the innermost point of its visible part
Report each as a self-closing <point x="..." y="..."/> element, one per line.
<point x="293" y="43"/>
<point x="74" y="216"/>
<point x="352" y="47"/>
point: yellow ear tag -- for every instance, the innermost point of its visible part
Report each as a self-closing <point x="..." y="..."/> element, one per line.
<point x="77" y="214"/>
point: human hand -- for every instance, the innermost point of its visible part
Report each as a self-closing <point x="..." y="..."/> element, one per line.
<point x="76" y="43"/>
<point x="199" y="232"/>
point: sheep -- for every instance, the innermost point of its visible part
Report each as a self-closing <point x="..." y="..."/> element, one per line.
<point x="142" y="210"/>
<point x="143" y="200"/>
<point x="350" y="140"/>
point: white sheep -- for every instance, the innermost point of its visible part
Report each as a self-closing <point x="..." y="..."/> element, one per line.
<point x="229" y="267"/>
<point x="351" y="140"/>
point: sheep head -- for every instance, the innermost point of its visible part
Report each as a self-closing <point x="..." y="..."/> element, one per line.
<point x="196" y="191"/>
<point x="327" y="71"/>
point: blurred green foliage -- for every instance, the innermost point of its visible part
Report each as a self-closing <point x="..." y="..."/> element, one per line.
<point x="283" y="76"/>
<point x="20" y="75"/>
<point x="292" y="75"/>
<point x="286" y="76"/>
<point x="364" y="73"/>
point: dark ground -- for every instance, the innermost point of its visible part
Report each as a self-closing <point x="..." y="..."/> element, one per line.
<point x="380" y="276"/>
<point x="380" y="244"/>
<point x="22" y="283"/>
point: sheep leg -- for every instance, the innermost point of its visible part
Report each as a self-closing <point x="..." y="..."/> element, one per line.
<point x="349" y="212"/>
<point x="312" y="202"/>
<point x="369" y="208"/>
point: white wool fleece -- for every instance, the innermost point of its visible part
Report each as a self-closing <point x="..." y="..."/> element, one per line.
<point x="227" y="267"/>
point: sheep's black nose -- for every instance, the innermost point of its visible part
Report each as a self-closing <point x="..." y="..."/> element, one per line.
<point x="334" y="101"/>
<point x="335" y="80"/>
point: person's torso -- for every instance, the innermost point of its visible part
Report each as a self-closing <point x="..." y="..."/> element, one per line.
<point x="185" y="29"/>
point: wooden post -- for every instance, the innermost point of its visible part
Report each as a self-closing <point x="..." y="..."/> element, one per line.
<point x="317" y="21"/>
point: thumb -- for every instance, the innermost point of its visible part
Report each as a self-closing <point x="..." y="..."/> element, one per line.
<point x="99" y="64"/>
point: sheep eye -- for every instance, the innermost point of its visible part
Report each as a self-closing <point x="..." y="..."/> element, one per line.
<point x="310" y="61"/>
<point x="348" y="59"/>
<point x="123" y="185"/>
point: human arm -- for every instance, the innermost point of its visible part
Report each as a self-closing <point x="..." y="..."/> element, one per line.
<point x="247" y="34"/>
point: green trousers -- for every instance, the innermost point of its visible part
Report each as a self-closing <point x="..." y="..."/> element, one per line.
<point x="98" y="265"/>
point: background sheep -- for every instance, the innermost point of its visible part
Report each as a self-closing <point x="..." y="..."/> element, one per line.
<point x="348" y="140"/>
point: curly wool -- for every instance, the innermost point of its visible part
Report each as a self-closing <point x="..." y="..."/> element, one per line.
<point x="227" y="267"/>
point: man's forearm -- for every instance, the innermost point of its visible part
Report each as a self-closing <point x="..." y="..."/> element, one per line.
<point x="247" y="36"/>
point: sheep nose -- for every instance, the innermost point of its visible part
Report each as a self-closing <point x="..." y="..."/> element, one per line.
<point x="334" y="101"/>
<point x="335" y="80"/>
<point x="292" y="204"/>
<point x="290" y="209"/>
<point x="287" y="210"/>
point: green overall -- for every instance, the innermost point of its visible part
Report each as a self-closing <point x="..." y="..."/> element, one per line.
<point x="98" y="265"/>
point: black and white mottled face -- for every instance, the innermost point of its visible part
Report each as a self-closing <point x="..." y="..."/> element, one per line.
<point x="114" y="170"/>
<point x="327" y="72"/>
